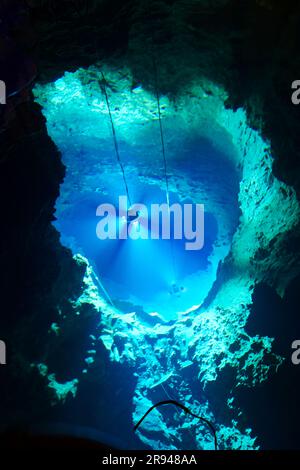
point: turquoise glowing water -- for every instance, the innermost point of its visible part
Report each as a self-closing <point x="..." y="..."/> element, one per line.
<point x="132" y="359"/>
<point x="141" y="271"/>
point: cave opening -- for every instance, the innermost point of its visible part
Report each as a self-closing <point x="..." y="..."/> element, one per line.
<point x="98" y="339"/>
<point x="145" y="275"/>
<point x="173" y="339"/>
<point x="141" y="272"/>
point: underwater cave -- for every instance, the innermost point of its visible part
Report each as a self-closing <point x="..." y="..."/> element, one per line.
<point x="168" y="312"/>
<point x="115" y="314"/>
<point x="156" y="275"/>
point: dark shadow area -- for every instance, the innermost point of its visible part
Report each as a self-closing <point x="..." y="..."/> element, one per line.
<point x="272" y="408"/>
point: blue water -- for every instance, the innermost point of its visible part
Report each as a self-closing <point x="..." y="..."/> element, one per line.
<point x="157" y="275"/>
<point x="142" y="267"/>
<point x="136" y="365"/>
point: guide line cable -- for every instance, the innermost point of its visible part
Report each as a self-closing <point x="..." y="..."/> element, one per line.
<point x="161" y="132"/>
<point x="105" y="291"/>
<point x="100" y="284"/>
<point x="186" y="410"/>
<point x="115" y="137"/>
<point x="104" y="89"/>
<point x="169" y="397"/>
<point x="172" y="400"/>
<point x="163" y="150"/>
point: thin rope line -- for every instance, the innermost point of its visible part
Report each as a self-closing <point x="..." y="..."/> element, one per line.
<point x="100" y="284"/>
<point x="170" y="398"/>
<point x="115" y="138"/>
<point x="186" y="410"/>
<point x="164" y="159"/>
<point x="161" y="132"/>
